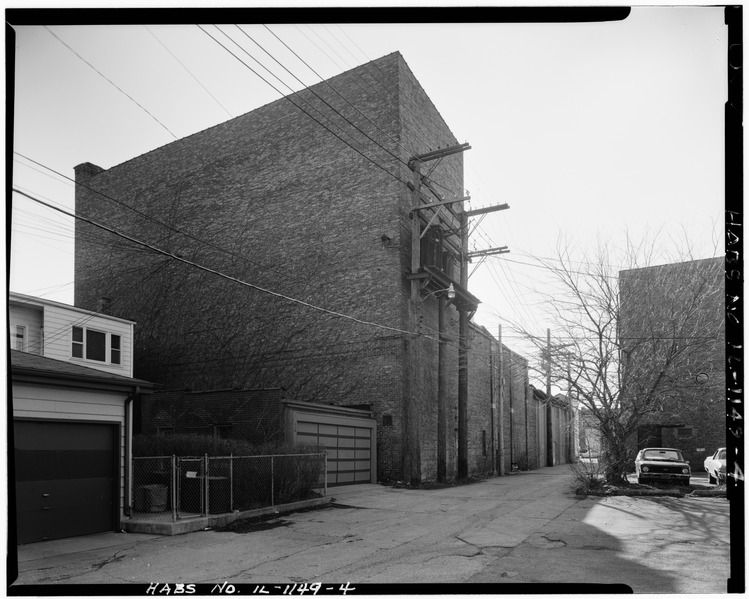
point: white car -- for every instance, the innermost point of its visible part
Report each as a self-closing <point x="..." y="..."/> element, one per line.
<point x="715" y="466"/>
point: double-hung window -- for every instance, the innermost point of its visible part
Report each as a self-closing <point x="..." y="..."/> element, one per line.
<point x="98" y="346"/>
<point x="115" y="350"/>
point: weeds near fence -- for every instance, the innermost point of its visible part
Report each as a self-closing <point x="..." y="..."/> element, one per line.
<point x="200" y="445"/>
<point x="589" y="475"/>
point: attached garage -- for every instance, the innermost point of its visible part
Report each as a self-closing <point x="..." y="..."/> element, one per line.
<point x="347" y="435"/>
<point x="66" y="478"/>
<point x="70" y="434"/>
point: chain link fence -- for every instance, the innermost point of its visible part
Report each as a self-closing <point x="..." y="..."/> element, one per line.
<point x="170" y="488"/>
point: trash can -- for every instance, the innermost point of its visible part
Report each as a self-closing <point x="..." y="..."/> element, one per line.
<point x="191" y="494"/>
<point x="219" y="495"/>
<point x="150" y="498"/>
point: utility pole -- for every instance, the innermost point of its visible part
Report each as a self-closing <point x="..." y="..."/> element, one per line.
<point x="501" y="431"/>
<point x="442" y="411"/>
<point x="412" y="459"/>
<point x="411" y="463"/>
<point x="413" y="410"/>
<point x="463" y="334"/>
<point x="549" y="424"/>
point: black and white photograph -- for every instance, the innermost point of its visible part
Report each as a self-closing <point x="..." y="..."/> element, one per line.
<point x="344" y="300"/>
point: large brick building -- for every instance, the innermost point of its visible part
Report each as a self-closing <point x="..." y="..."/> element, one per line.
<point x="673" y="329"/>
<point x="278" y="249"/>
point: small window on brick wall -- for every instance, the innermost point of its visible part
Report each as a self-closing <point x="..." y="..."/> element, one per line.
<point x="387" y="420"/>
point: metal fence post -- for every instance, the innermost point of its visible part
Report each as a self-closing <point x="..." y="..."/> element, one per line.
<point x="325" y="473"/>
<point x="231" y="482"/>
<point x="175" y="490"/>
<point x="272" y="484"/>
<point x="205" y="470"/>
<point x="129" y="491"/>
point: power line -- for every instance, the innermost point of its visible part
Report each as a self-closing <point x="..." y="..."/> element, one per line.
<point x="288" y="97"/>
<point x="309" y="89"/>
<point x="189" y="72"/>
<point x="326" y="82"/>
<point x="213" y="271"/>
<point x="156" y="220"/>
<point x="117" y="87"/>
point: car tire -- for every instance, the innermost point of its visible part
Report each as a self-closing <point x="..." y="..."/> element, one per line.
<point x="711" y="479"/>
<point x="640" y="480"/>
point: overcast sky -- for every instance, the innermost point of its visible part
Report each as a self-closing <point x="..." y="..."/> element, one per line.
<point x="589" y="131"/>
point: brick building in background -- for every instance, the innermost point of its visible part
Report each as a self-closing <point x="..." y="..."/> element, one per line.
<point x="304" y="208"/>
<point x="679" y="308"/>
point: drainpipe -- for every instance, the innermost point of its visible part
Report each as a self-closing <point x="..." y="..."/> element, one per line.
<point x="129" y="449"/>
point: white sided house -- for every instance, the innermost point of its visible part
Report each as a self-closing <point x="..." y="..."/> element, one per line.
<point x="71" y="393"/>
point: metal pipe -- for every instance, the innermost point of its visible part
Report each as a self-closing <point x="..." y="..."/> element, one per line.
<point x="127" y="508"/>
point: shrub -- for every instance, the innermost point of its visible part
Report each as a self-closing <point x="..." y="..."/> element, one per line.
<point x="199" y="445"/>
<point x="589" y="476"/>
<point x="187" y="445"/>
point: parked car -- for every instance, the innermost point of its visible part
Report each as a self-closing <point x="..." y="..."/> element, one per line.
<point x="662" y="464"/>
<point x="715" y="466"/>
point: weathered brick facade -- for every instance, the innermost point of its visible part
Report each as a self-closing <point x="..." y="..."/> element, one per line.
<point x="682" y="306"/>
<point x="304" y="228"/>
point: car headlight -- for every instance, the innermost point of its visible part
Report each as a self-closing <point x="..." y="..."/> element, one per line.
<point x="685" y="470"/>
<point x="645" y="469"/>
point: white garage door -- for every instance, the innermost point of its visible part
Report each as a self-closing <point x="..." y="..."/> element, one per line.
<point x="349" y="449"/>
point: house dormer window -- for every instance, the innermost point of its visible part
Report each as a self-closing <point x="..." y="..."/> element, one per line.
<point x="98" y="346"/>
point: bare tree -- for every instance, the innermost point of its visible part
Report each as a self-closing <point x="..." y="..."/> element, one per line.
<point x="624" y="343"/>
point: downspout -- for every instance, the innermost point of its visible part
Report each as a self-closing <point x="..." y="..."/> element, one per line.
<point x="129" y="449"/>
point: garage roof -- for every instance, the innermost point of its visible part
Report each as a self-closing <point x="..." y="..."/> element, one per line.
<point x="24" y="363"/>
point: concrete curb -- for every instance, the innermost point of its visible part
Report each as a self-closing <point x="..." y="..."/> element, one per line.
<point x="215" y="520"/>
<point x="654" y="493"/>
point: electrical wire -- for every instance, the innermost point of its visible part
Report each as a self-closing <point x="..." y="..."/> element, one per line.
<point x="189" y="72"/>
<point x="287" y="97"/>
<point x="112" y="83"/>
<point x="213" y="271"/>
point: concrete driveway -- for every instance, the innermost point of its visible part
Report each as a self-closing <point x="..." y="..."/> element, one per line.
<point x="526" y="527"/>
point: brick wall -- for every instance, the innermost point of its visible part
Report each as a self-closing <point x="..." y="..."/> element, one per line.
<point x="519" y="414"/>
<point x="681" y="305"/>
<point x="276" y="201"/>
<point x="483" y="369"/>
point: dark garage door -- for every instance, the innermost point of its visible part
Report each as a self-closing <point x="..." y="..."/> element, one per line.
<point x="348" y="447"/>
<point x="65" y="479"/>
